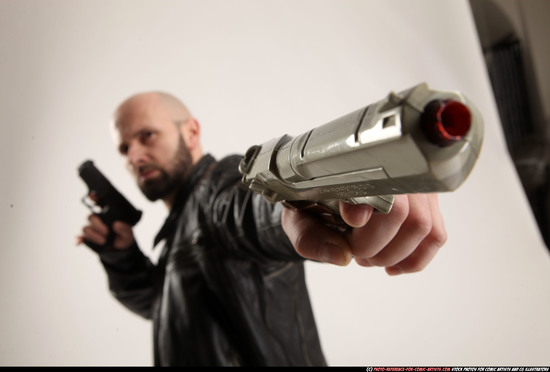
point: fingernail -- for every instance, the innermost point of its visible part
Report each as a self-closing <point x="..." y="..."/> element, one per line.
<point x="359" y="216"/>
<point x="363" y="217"/>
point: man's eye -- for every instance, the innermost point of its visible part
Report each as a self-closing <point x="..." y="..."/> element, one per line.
<point x="147" y="135"/>
<point x="123" y="149"/>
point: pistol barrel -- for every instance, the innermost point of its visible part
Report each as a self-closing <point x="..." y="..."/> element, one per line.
<point x="415" y="141"/>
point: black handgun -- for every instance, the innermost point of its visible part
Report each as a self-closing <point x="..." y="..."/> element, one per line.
<point x="108" y="203"/>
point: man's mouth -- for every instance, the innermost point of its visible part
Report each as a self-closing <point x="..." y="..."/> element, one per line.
<point x="147" y="173"/>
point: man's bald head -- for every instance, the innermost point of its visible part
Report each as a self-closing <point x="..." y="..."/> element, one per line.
<point x="160" y="140"/>
<point x="177" y="111"/>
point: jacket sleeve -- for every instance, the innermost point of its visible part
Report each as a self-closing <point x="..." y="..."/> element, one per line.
<point x="246" y="223"/>
<point x="131" y="279"/>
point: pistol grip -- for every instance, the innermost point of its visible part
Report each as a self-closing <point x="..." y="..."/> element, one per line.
<point x="101" y="212"/>
<point x="110" y="236"/>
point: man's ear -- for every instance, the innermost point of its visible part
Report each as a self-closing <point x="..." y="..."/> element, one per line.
<point x="192" y="133"/>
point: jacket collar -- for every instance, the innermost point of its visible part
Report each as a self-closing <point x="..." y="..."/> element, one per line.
<point x="196" y="174"/>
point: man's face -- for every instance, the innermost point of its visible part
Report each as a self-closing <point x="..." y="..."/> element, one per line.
<point x="154" y="147"/>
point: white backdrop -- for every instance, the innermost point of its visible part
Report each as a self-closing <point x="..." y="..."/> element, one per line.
<point x="251" y="70"/>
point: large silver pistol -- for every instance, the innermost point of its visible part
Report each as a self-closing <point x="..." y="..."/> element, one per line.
<point x="415" y="141"/>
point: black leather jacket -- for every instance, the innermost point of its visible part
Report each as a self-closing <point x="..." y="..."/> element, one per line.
<point x="229" y="288"/>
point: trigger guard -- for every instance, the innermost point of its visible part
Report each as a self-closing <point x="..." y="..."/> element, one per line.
<point x="93" y="207"/>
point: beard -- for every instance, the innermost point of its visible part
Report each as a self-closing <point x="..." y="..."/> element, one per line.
<point x="170" y="179"/>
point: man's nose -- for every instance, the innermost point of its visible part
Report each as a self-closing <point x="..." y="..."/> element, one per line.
<point x="136" y="155"/>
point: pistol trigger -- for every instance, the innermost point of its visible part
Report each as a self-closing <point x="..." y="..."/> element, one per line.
<point x="326" y="210"/>
<point x="381" y="203"/>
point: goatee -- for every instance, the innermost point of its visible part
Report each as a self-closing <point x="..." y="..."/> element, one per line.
<point x="169" y="179"/>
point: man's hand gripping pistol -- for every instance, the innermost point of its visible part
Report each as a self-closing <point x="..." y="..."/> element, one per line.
<point x="415" y="141"/>
<point x="106" y="202"/>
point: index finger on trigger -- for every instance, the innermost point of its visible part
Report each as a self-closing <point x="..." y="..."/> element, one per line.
<point x="355" y="215"/>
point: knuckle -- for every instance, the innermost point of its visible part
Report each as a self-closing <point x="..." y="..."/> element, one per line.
<point x="400" y="212"/>
<point x="438" y="237"/>
<point x="420" y="223"/>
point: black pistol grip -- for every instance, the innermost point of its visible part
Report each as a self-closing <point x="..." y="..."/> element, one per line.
<point x="110" y="204"/>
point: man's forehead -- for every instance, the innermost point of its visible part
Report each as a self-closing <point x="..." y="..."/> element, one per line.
<point x="137" y="112"/>
<point x="147" y="111"/>
<point x="135" y="107"/>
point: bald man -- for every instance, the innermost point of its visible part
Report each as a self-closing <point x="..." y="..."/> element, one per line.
<point x="229" y="286"/>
